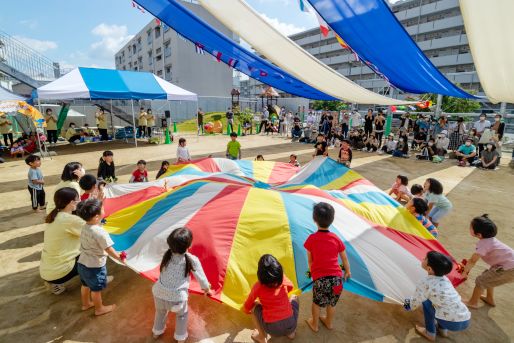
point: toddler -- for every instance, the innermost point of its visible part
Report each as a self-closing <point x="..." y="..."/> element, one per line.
<point x="170" y="292"/>
<point x="259" y="158"/>
<point x="140" y="174"/>
<point x="417" y="191"/>
<point x="496" y="254"/>
<point x="274" y="313"/>
<point x="418" y="207"/>
<point x="321" y="146"/>
<point x="323" y="251"/>
<point x="183" y="155"/>
<point x="345" y="153"/>
<point x="293" y="160"/>
<point x="399" y="188"/>
<point x="438" y="204"/>
<point x="95" y="245"/>
<point x="442" y="305"/>
<point x="36" y="182"/>
<point x="233" y="148"/>
<point x="17" y="150"/>
<point x="106" y="169"/>
<point x="92" y="188"/>
<point x="164" y="169"/>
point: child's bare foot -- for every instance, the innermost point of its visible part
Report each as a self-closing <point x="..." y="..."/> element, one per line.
<point x="105" y="310"/>
<point x="256" y="337"/>
<point x="473" y="306"/>
<point x="292" y="335"/>
<point x="423" y="332"/>
<point x="324" y="321"/>
<point x="488" y="301"/>
<point x="37" y="210"/>
<point x="310" y="322"/>
<point x="88" y="306"/>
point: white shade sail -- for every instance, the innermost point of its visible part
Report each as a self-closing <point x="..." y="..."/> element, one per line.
<point x="282" y="51"/>
<point x="491" y="39"/>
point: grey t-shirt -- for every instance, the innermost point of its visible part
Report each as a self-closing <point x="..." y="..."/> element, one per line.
<point x="35" y="174"/>
<point x="93" y="242"/>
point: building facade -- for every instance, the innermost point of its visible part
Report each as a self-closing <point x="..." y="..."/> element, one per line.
<point x="160" y="50"/>
<point x="435" y="25"/>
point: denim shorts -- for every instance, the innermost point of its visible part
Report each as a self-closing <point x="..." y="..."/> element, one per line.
<point x="436" y="214"/>
<point x="93" y="278"/>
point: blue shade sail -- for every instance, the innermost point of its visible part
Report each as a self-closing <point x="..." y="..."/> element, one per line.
<point x="375" y="34"/>
<point x="204" y="36"/>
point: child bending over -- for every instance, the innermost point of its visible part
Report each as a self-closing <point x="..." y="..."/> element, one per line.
<point x="324" y="249"/>
<point x="170" y="292"/>
<point x="274" y="313"/>
<point x="442" y="305"/>
<point x="496" y="254"/>
<point x="418" y="207"/>
<point x="399" y="188"/>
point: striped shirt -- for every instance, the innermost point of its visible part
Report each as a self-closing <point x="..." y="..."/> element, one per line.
<point x="427" y="224"/>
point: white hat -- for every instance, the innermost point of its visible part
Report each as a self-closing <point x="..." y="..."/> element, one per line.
<point x="444" y="132"/>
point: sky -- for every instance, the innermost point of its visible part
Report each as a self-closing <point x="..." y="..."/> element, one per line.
<point x="89" y="33"/>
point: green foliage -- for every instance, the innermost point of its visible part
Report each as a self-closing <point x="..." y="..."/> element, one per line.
<point x="246" y="115"/>
<point x="329" y="105"/>
<point x="451" y="104"/>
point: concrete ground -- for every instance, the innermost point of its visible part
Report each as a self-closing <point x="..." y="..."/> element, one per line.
<point x="28" y="313"/>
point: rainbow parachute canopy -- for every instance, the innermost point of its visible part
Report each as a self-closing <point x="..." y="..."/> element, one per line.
<point x="240" y="210"/>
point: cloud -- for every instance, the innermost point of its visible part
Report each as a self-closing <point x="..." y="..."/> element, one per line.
<point x="36" y="44"/>
<point x="112" y="38"/>
<point x="284" y="28"/>
<point x="30" y="23"/>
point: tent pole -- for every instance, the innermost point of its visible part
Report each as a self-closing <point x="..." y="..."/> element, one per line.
<point x="133" y="121"/>
<point x="169" y="109"/>
<point x="37" y="133"/>
<point x="112" y="123"/>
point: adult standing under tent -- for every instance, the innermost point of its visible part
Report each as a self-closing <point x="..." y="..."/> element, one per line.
<point x="51" y="126"/>
<point x="142" y="123"/>
<point x="150" y="122"/>
<point x="102" y="124"/>
<point x="108" y="84"/>
<point x="6" y="129"/>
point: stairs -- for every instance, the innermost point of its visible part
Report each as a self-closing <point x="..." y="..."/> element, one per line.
<point x="118" y="113"/>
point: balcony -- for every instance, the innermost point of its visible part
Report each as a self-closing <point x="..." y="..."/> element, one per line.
<point x="427" y="9"/>
<point x="436" y="25"/>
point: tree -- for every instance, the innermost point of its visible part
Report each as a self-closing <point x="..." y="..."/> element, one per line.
<point x="329" y="105"/>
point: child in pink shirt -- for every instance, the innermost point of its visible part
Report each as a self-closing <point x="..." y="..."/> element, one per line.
<point x="399" y="188"/>
<point x="493" y="252"/>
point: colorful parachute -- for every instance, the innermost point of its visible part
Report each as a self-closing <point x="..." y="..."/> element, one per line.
<point x="240" y="210"/>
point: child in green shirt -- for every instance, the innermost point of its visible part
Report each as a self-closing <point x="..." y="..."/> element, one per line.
<point x="233" y="148"/>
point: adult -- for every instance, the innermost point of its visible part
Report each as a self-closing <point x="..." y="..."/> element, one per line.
<point x="102" y="124"/>
<point x="466" y="153"/>
<point x="420" y="137"/>
<point x="405" y="121"/>
<point x="442" y="143"/>
<point x="489" y="157"/>
<point x="458" y="130"/>
<point x="379" y="127"/>
<point x="310" y="119"/>
<point x="481" y="125"/>
<point x="296" y="131"/>
<point x="61" y="241"/>
<point x="71" y="134"/>
<point x="441" y="125"/>
<point x="389" y="146"/>
<point x="356" y="120"/>
<point x="498" y="127"/>
<point x="371" y="143"/>
<point x="230" y="119"/>
<point x="150" y="122"/>
<point x="6" y="129"/>
<point x="345" y="125"/>
<point x="51" y="126"/>
<point x="427" y="150"/>
<point x="368" y="123"/>
<point x="141" y="122"/>
<point x="264" y="119"/>
<point x="289" y="121"/>
<point x="282" y="128"/>
<point x="199" y="120"/>
<point x="70" y="177"/>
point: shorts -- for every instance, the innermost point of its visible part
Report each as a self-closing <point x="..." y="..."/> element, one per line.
<point x="327" y="290"/>
<point x="282" y="327"/>
<point x="494" y="277"/>
<point x="93" y="278"/>
<point x="436" y="214"/>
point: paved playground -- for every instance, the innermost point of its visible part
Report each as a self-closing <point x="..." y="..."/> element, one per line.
<point x="29" y="313"/>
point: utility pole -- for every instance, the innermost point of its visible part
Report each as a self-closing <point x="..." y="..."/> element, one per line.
<point x="438" y="105"/>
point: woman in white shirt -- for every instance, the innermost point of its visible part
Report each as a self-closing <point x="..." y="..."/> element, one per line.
<point x="183" y="155"/>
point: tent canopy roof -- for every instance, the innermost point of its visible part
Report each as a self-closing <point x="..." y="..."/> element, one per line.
<point x="6" y="95"/>
<point x="93" y="83"/>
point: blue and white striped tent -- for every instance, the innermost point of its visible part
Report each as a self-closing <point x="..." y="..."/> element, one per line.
<point x="109" y="84"/>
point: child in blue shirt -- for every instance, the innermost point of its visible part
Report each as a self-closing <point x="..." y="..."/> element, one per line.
<point x="36" y="182"/>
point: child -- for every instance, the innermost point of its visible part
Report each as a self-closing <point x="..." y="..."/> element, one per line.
<point x="140" y="174"/>
<point x="233" y="148"/>
<point x="389" y="146"/>
<point x="293" y="161"/>
<point x="323" y="251"/>
<point x="438" y="204"/>
<point x="321" y="146"/>
<point x="496" y="254"/>
<point x="106" y="169"/>
<point x="442" y="304"/>
<point x="17" y="150"/>
<point x="345" y="153"/>
<point x="170" y="292"/>
<point x="183" y="155"/>
<point x="91" y="187"/>
<point x="164" y="169"/>
<point x="259" y="158"/>
<point x="418" y="207"/>
<point x="274" y="313"/>
<point x="95" y="245"/>
<point x="399" y="188"/>
<point x="36" y="182"/>
<point x="417" y="191"/>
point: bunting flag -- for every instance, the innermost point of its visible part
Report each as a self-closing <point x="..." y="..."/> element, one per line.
<point x="303" y="6"/>
<point x="323" y="26"/>
<point x="216" y="55"/>
<point x="158" y="22"/>
<point x="182" y="37"/>
<point x="341" y="42"/>
<point x="199" y="49"/>
<point x="138" y="7"/>
<point x="232" y="62"/>
<point x="263" y="73"/>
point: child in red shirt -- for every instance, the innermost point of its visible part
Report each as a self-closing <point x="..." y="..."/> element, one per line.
<point x="323" y="251"/>
<point x="140" y="174"/>
<point x="275" y="313"/>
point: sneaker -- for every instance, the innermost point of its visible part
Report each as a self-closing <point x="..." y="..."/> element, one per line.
<point x="57" y="288"/>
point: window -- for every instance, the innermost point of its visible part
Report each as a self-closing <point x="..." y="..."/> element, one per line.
<point x="150" y="57"/>
<point x="159" y="72"/>
<point x="149" y="37"/>
<point x="167" y="49"/>
<point x="158" y="57"/>
<point x="157" y="32"/>
<point x="140" y="60"/>
<point x="158" y="50"/>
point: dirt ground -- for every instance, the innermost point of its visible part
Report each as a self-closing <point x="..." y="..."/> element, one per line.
<point x="29" y="313"/>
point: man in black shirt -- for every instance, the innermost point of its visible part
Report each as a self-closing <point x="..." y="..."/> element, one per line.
<point x="321" y="146"/>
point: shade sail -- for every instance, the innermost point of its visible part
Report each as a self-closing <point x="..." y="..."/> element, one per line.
<point x="6" y="95"/>
<point x="490" y="35"/>
<point x="282" y="51"/>
<point x="92" y="83"/>
<point x="267" y="209"/>
<point x="208" y="39"/>
<point x="376" y="35"/>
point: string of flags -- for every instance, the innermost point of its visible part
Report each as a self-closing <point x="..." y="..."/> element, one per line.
<point x="138" y="7"/>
